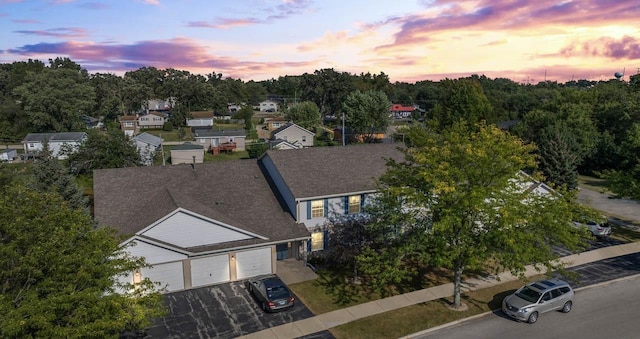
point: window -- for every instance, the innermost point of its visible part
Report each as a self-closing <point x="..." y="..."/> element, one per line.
<point x="564" y="289"/>
<point x="317" y="241"/>
<point x="304" y="138"/>
<point x="317" y="208"/>
<point x="546" y="296"/>
<point x="354" y="204"/>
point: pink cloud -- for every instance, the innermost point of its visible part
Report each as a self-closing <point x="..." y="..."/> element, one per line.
<point x="286" y="9"/>
<point x="25" y="21"/>
<point x="624" y="48"/>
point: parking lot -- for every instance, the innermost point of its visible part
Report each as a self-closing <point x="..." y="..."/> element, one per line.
<point x="220" y="311"/>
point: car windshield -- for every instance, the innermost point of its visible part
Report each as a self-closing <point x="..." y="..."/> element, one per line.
<point x="277" y="292"/>
<point x="528" y="294"/>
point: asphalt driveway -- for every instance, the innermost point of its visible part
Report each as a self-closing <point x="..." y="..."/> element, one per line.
<point x="220" y="311"/>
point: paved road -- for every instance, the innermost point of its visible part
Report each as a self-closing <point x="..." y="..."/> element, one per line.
<point x="605" y="311"/>
<point x="624" y="209"/>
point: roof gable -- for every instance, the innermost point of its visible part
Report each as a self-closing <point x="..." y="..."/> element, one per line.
<point x="179" y="228"/>
<point x="148" y="138"/>
<point x="289" y="126"/>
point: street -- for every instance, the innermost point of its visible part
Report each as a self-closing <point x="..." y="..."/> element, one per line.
<point x="604" y="311"/>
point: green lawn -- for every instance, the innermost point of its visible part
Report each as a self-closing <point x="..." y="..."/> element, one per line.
<point x="324" y="295"/>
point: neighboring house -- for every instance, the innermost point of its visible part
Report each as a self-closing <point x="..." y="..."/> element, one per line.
<point x="268" y="106"/>
<point x="275" y="123"/>
<point x="294" y="135"/>
<point x="198" y="225"/>
<point x="319" y="182"/>
<point x="91" y="122"/>
<point x="351" y="136"/>
<point x="147" y="145"/>
<point x="160" y="105"/>
<point x="200" y="118"/>
<point x="401" y="112"/>
<point x="210" y="138"/>
<point x="129" y="125"/>
<point x="187" y="153"/>
<point x="234" y="108"/>
<point x="33" y="142"/>
<point x="152" y="120"/>
<point x="8" y="155"/>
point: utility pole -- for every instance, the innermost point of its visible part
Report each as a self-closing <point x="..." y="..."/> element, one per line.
<point x="343" y="131"/>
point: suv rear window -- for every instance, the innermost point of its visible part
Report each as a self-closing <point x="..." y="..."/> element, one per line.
<point x="564" y="289"/>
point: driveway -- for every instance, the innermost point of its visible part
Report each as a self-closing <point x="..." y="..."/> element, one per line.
<point x="623" y="209"/>
<point x="220" y="311"/>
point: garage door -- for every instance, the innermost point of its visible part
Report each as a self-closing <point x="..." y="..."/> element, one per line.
<point x="253" y="263"/>
<point x="169" y="274"/>
<point x="209" y="270"/>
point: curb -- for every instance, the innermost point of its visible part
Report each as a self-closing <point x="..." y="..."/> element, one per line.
<point x="477" y="316"/>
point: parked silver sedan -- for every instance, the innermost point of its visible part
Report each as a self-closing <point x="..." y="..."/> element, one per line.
<point x="533" y="299"/>
<point x="271" y="293"/>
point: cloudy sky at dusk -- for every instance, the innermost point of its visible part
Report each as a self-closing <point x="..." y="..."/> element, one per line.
<point x="409" y="40"/>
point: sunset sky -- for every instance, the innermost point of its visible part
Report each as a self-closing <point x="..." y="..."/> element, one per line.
<point x="409" y="40"/>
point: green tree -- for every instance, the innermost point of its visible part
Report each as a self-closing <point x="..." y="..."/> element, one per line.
<point x="58" y="273"/>
<point x="112" y="149"/>
<point x="465" y="184"/>
<point x="462" y="99"/>
<point x="559" y="156"/>
<point x="50" y="175"/>
<point x="246" y="113"/>
<point x="367" y="112"/>
<point x="55" y="98"/>
<point x="305" y="114"/>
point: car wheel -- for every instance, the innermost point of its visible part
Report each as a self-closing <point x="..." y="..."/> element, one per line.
<point x="567" y="307"/>
<point x="533" y="318"/>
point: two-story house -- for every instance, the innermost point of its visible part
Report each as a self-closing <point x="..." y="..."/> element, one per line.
<point x="268" y="106"/>
<point x="152" y="120"/>
<point x="33" y="143"/>
<point x="129" y="125"/>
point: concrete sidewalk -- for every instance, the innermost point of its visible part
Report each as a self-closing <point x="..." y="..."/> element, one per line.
<point x="328" y="320"/>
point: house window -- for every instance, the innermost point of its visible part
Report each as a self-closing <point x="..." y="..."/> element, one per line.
<point x="304" y="138"/>
<point x="354" y="204"/>
<point x="128" y="124"/>
<point x="317" y="241"/>
<point x="317" y="208"/>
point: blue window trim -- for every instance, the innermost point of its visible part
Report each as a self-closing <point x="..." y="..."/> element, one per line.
<point x="309" y="210"/>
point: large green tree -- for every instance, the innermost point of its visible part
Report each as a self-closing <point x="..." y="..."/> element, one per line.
<point x="57" y="273"/>
<point x="367" y="113"/>
<point x="462" y="99"/>
<point x="465" y="184"/>
<point x="111" y="149"/>
<point x="305" y="114"/>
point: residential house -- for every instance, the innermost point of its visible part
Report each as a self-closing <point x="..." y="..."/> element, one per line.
<point x="91" y="122"/>
<point x="234" y="108"/>
<point x="322" y="182"/>
<point x="33" y="143"/>
<point x="8" y="155"/>
<point x="275" y="123"/>
<point x="152" y="120"/>
<point x="200" y="119"/>
<point x="129" y="125"/>
<point x="197" y="225"/>
<point x="148" y="145"/>
<point x="268" y="106"/>
<point x="282" y="145"/>
<point x="399" y="111"/>
<point x="351" y="136"/>
<point x="159" y="105"/>
<point x="212" y="139"/>
<point x="294" y="135"/>
<point x="187" y="153"/>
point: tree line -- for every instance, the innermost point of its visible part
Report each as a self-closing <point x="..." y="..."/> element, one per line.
<point x="590" y="127"/>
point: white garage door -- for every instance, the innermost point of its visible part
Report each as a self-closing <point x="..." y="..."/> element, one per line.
<point x="169" y="274"/>
<point x="253" y="263"/>
<point x="209" y="270"/>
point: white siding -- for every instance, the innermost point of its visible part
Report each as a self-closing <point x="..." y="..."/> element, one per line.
<point x="253" y="263"/>
<point x="209" y="270"/>
<point x="184" y="230"/>
<point x="154" y="254"/>
<point x="169" y="275"/>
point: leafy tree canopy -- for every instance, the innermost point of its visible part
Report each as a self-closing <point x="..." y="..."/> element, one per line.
<point x="367" y="113"/>
<point x="111" y="149"/>
<point x="305" y="114"/>
<point x="57" y="273"/>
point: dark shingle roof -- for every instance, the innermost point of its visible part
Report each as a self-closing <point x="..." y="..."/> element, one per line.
<point x="233" y="192"/>
<point x="325" y="171"/>
<point x="57" y="137"/>
<point x="200" y="133"/>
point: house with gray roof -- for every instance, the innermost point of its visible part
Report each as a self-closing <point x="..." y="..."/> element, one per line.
<point x="294" y="135"/>
<point x="209" y="138"/>
<point x="322" y="182"/>
<point x="198" y="225"/>
<point x="33" y="143"/>
<point x="147" y="145"/>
